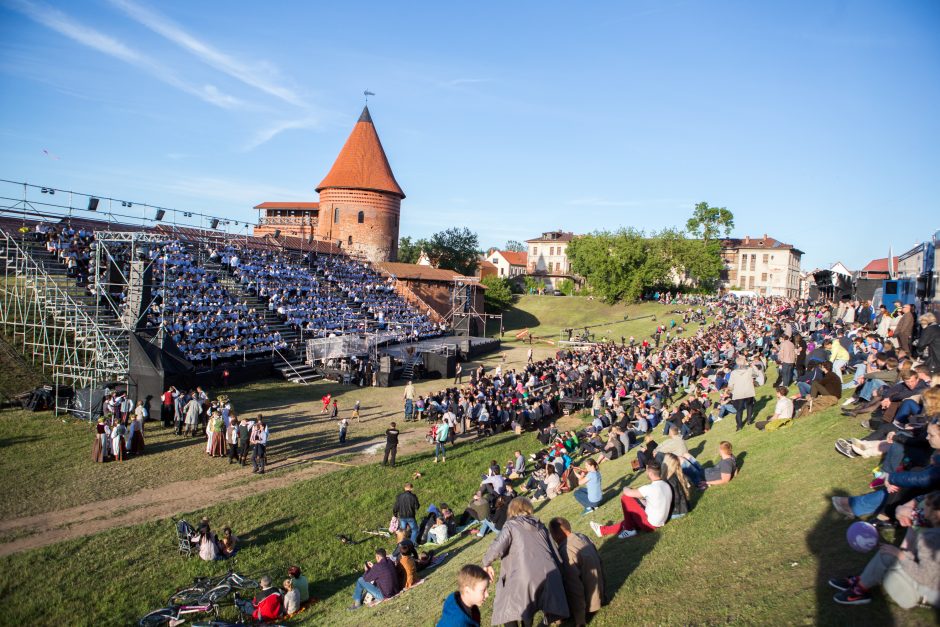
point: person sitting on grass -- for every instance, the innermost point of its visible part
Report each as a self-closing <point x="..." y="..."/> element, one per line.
<point x="681" y="488"/>
<point x="462" y="607"/>
<point x="783" y="412"/>
<point x="726" y="469"/>
<point x="207" y="541"/>
<point x="909" y="574"/>
<point x="405" y="566"/>
<point x="291" y="598"/>
<point x="644" y="509"/>
<point x="379" y="579"/>
<point x="267" y="603"/>
<point x="228" y="543"/>
<point x="589" y="496"/>
<point x="548" y="487"/>
<point x="300" y="583"/>
<point x="646" y="452"/>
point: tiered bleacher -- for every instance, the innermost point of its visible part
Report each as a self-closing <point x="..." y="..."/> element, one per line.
<point x="206" y="313"/>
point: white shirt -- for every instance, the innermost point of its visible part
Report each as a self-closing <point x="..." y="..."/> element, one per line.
<point x="658" y="497"/>
<point x="783" y="408"/>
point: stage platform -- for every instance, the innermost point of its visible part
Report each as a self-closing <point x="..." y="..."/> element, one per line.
<point x="465" y="346"/>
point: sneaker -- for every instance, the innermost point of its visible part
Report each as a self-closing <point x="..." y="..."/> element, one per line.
<point x="588" y="510"/>
<point x="596" y="528"/>
<point x="718" y="419"/>
<point x="854" y="596"/>
<point x="626" y="533"/>
<point x="841" y="505"/>
<point x="845" y="448"/>
<point x="845" y="583"/>
<point x="354" y="606"/>
<point x="849" y="401"/>
<point x="877" y="483"/>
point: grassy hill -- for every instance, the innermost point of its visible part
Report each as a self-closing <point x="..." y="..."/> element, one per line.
<point x="547" y="316"/>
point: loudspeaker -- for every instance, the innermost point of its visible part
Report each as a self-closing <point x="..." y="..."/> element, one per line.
<point x="138" y="293"/>
<point x="461" y="325"/>
<point x="277" y="233"/>
<point x="160" y="214"/>
<point x="444" y="366"/>
<point x="385" y="364"/>
<point x="383" y="379"/>
<point x="215" y="223"/>
<point x="93" y="204"/>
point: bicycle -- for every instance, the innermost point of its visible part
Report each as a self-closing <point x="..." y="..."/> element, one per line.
<point x="212" y="589"/>
<point x="173" y="615"/>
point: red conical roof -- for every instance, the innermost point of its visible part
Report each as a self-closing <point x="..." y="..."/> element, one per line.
<point x="362" y="163"/>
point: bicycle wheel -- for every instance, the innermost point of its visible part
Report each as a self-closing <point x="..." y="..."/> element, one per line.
<point x="217" y="594"/>
<point x="242" y="583"/>
<point x="157" y="618"/>
<point x="187" y="596"/>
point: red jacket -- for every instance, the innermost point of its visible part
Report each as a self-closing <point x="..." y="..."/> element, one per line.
<point x="268" y="608"/>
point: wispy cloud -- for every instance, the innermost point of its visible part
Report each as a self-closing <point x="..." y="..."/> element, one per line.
<point x="268" y="133"/>
<point x="259" y="76"/>
<point x="60" y="22"/>
<point x="241" y="193"/>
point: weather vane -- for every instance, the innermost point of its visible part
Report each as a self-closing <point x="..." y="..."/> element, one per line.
<point x="367" y="93"/>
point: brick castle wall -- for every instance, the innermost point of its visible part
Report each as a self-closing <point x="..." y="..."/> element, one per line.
<point x="376" y="237"/>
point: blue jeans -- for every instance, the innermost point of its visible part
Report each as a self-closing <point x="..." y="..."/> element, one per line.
<point x="804" y="388"/>
<point x="786" y="374"/>
<point x="409" y="408"/>
<point x="486" y="525"/>
<point x="907" y="409"/>
<point x="439" y="450"/>
<point x="413" y="524"/>
<point x="724" y="410"/>
<point x="693" y="471"/>
<point x="581" y="496"/>
<point x="364" y="586"/>
<point x="870" y="387"/>
<point x="860" y="370"/>
<point x="867" y="503"/>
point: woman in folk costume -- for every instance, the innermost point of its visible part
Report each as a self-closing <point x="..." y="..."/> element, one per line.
<point x="118" y="446"/>
<point x="216" y="436"/>
<point x="99" y="451"/>
<point x="136" y="437"/>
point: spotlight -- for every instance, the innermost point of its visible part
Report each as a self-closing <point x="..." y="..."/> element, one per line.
<point x="215" y="223"/>
<point x="93" y="204"/>
<point x="48" y="190"/>
<point x="124" y="203"/>
<point x="160" y="214"/>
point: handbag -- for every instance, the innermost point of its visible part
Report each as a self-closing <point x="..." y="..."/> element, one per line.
<point x="393" y="524"/>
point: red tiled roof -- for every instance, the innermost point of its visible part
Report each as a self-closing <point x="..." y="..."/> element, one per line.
<point x="515" y="258"/>
<point x="553" y="236"/>
<point x="288" y="205"/>
<point x="362" y="163"/>
<point x="416" y="272"/>
<point x="881" y="265"/>
<point x="757" y="242"/>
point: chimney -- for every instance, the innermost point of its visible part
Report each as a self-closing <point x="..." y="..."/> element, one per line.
<point x="765" y="236"/>
<point x="747" y="239"/>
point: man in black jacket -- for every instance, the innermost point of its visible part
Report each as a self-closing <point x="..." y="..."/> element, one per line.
<point x="406" y="509"/>
<point x="391" y="445"/>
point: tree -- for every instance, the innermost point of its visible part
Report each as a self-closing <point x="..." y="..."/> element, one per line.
<point x="709" y="223"/>
<point x="514" y="246"/>
<point x="498" y="295"/>
<point x="454" y="249"/>
<point x="409" y="250"/>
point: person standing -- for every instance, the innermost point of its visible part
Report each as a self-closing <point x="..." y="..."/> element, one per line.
<point x="231" y="437"/>
<point x="259" y="438"/>
<point x="192" y="410"/>
<point x="582" y="569"/>
<point x="905" y="329"/>
<point x="343" y="427"/>
<point x="409" y="397"/>
<point x="406" y="508"/>
<point x="356" y="411"/>
<point x="391" y="445"/>
<point x="786" y="357"/>
<point x="528" y="357"/>
<point x="458" y="374"/>
<point x="334" y="410"/>
<point x="741" y="384"/>
<point x="443" y="433"/>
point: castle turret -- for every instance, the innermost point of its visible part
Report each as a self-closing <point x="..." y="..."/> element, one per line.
<point x="360" y="200"/>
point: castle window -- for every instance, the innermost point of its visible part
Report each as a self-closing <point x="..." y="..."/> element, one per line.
<point x="361" y="217"/>
<point x="336" y="215"/>
<point x="350" y="241"/>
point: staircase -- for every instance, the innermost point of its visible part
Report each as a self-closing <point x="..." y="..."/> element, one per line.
<point x="410" y="362"/>
<point x="295" y="369"/>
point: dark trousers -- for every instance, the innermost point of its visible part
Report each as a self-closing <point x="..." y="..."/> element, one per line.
<point x="739" y="406"/>
<point x="242" y="452"/>
<point x="179" y="426"/>
<point x="258" y="459"/>
<point x="390" y="451"/>
<point x="786" y="375"/>
<point x="232" y="453"/>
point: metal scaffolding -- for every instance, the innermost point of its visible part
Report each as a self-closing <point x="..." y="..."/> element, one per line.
<point x="41" y="314"/>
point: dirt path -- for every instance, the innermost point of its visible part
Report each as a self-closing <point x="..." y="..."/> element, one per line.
<point x="31" y="532"/>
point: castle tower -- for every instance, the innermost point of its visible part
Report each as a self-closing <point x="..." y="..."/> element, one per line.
<point x="360" y="200"/>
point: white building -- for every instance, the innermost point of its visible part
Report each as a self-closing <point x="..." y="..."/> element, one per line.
<point x="509" y="263"/>
<point x="763" y="265"/>
<point x="548" y="257"/>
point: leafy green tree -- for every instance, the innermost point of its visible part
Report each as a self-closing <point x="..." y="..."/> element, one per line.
<point x="498" y="294"/>
<point x="515" y="246"/>
<point x="409" y="250"/>
<point x="708" y="223"/>
<point x="454" y="249"/>
<point x="566" y="287"/>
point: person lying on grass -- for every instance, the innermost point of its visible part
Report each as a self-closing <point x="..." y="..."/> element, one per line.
<point x="726" y="469"/>
<point x="644" y="509"/>
<point x="462" y="608"/>
<point x="909" y="574"/>
<point x="898" y="487"/>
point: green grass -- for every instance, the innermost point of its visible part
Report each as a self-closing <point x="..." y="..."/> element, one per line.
<point x="547" y="316"/>
<point x="756" y="551"/>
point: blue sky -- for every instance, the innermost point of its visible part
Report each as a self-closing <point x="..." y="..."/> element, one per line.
<point x="815" y="122"/>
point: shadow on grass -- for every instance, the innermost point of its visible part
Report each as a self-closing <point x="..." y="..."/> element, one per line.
<point x="826" y="540"/>
<point x="622" y="557"/>
<point x="273" y="531"/>
<point x="19" y="439"/>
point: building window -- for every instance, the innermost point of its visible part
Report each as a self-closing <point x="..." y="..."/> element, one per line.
<point x="535" y="250"/>
<point x="744" y="262"/>
<point x="763" y="277"/>
<point x="765" y="257"/>
<point x="349" y="243"/>
<point x="549" y="267"/>
<point x="750" y="283"/>
<point x="336" y="215"/>
<point x="753" y="263"/>
<point x="551" y="251"/>
<point x="361" y="217"/>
